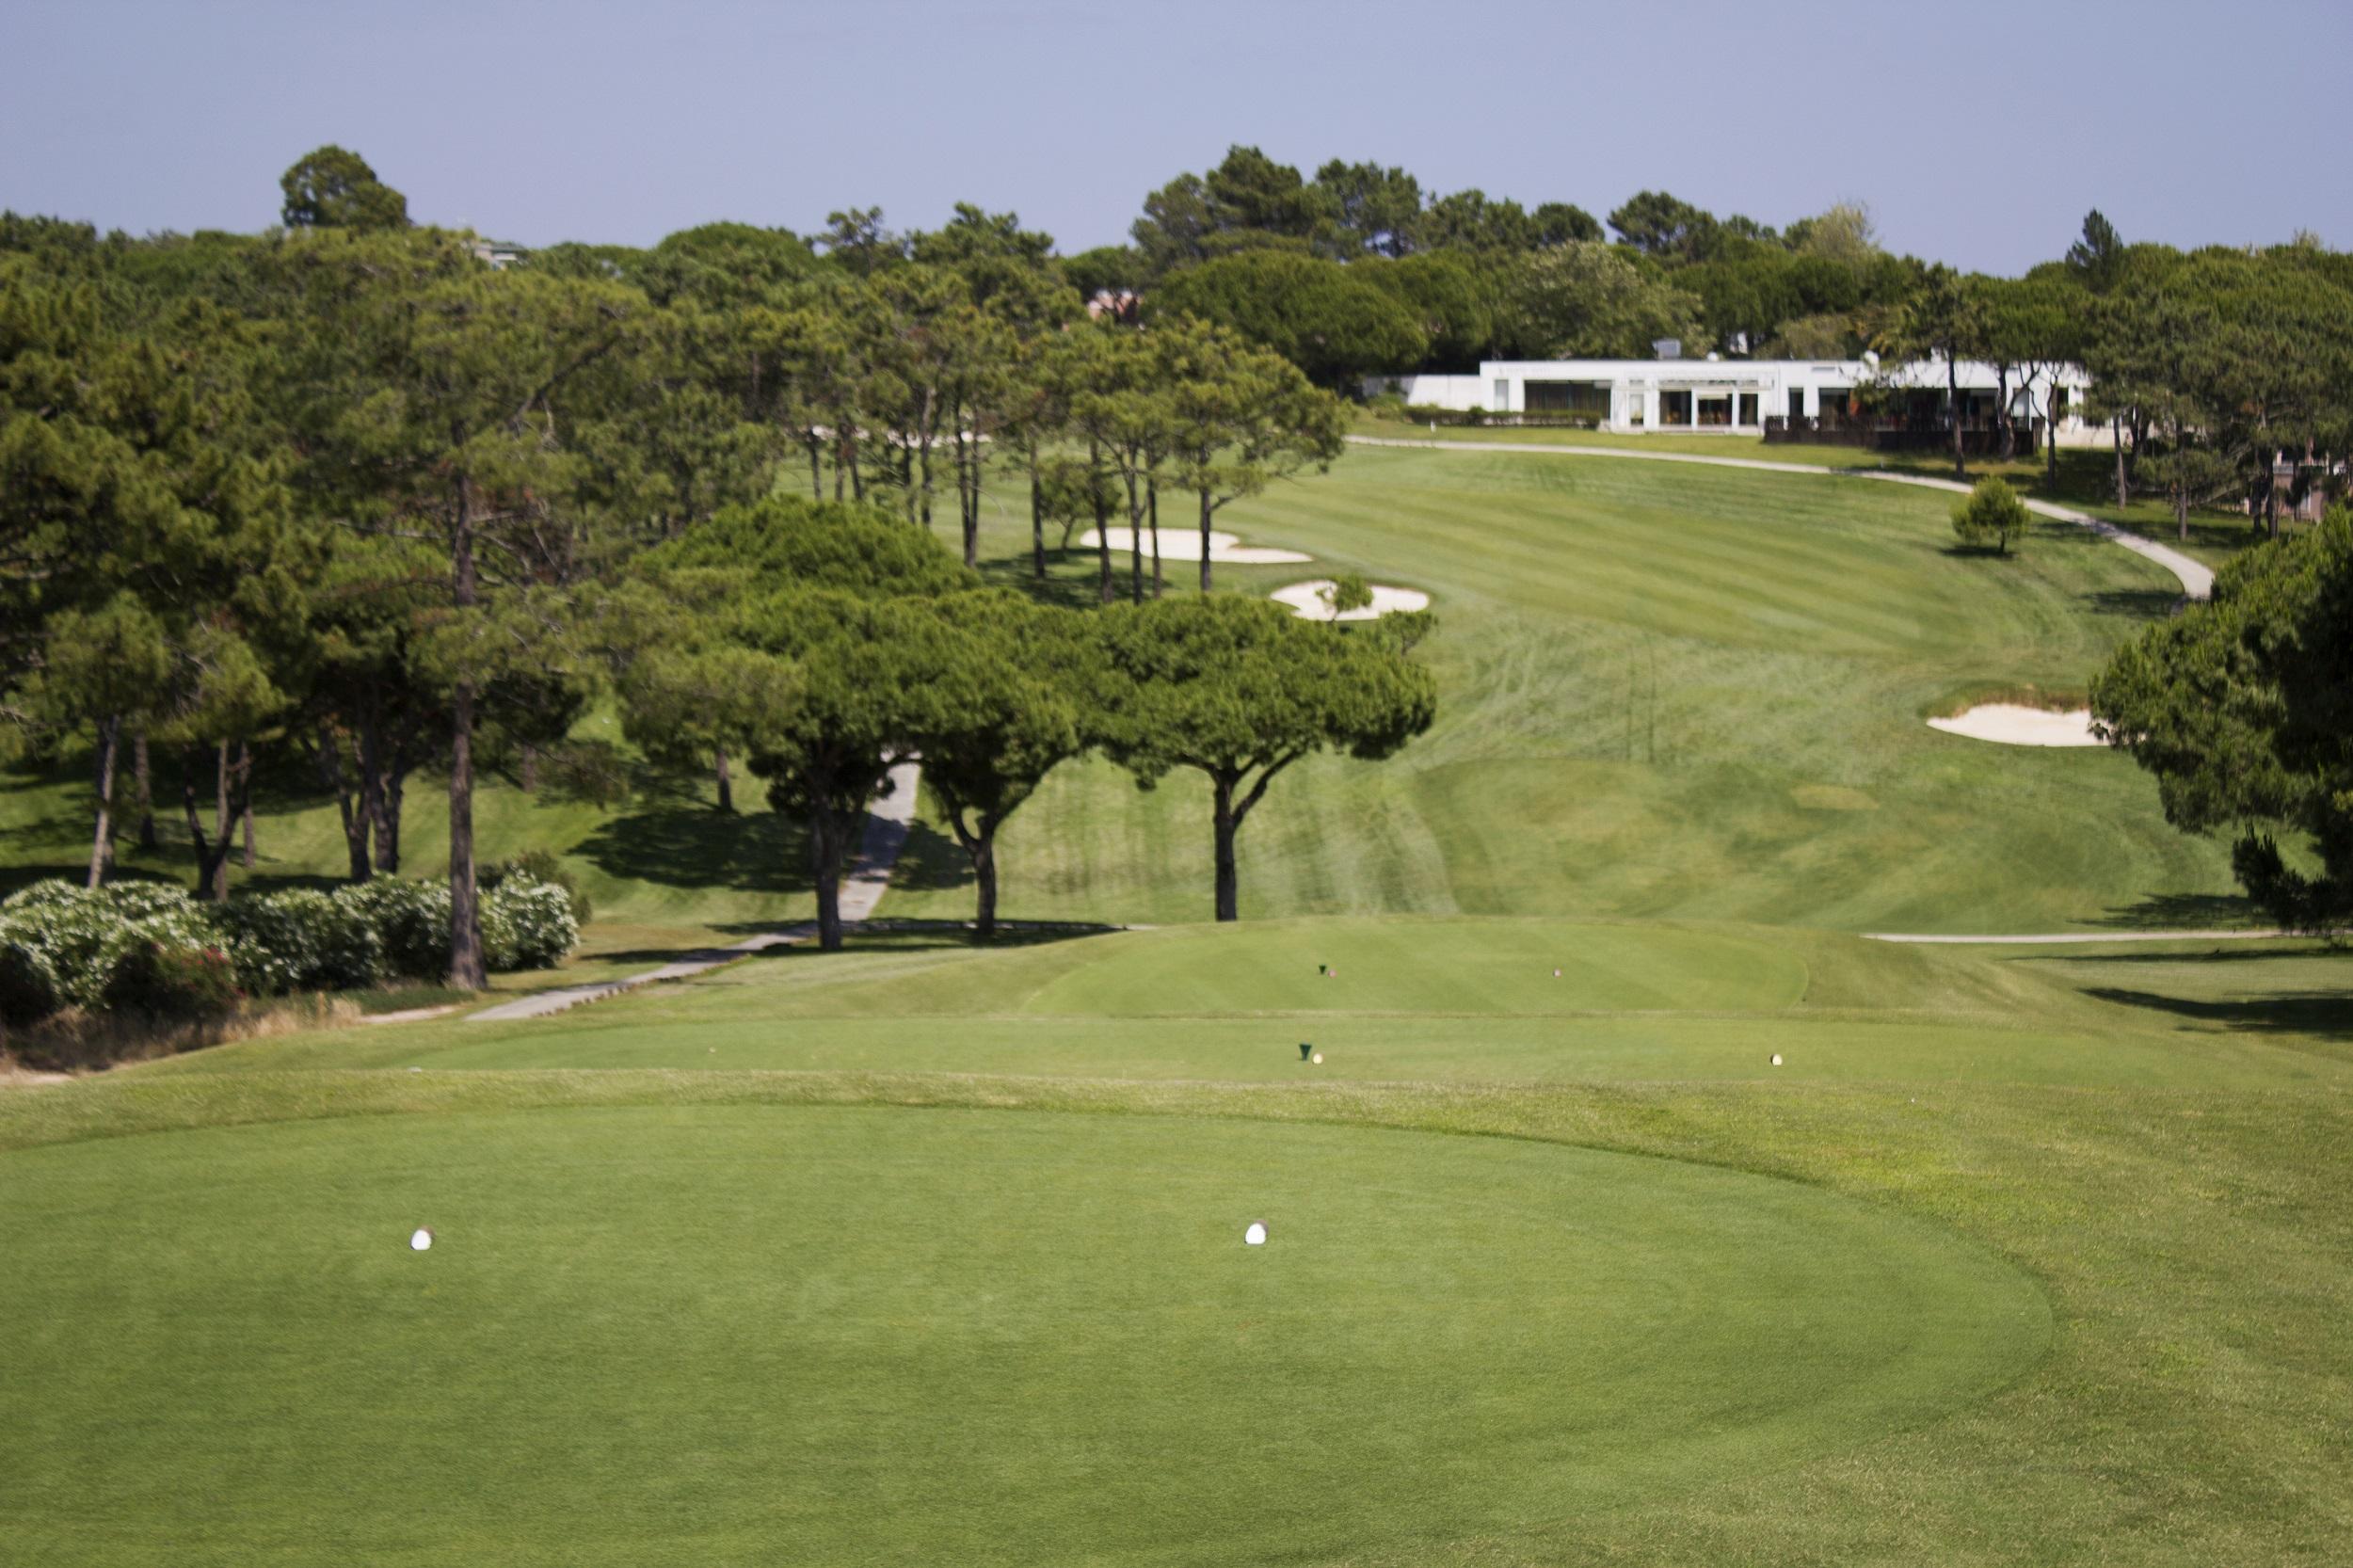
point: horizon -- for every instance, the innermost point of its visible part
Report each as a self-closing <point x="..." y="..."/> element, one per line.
<point x="113" y="115"/>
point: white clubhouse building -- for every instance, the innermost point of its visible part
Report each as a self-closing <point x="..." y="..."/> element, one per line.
<point x="1740" y="396"/>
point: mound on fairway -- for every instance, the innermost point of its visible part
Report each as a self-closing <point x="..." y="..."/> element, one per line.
<point x="803" y="1335"/>
<point x="1425" y="966"/>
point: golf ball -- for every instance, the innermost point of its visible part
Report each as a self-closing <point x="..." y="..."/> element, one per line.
<point x="1255" y="1236"/>
<point x="1776" y="1059"/>
<point x="1317" y="1059"/>
<point x="421" y="1240"/>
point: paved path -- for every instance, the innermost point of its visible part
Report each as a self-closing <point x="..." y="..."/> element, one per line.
<point x="862" y="886"/>
<point x="2195" y="578"/>
<point x="2061" y="938"/>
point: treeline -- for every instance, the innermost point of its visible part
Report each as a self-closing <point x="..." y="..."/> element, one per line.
<point x="344" y="490"/>
<point x="2214" y="365"/>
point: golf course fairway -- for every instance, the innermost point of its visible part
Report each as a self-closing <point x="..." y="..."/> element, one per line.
<point x="737" y="1332"/>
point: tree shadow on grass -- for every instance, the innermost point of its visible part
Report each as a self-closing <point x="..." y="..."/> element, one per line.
<point x="2237" y="952"/>
<point x="2137" y="603"/>
<point x="692" y="846"/>
<point x="1071" y="579"/>
<point x="2177" y="911"/>
<point x="931" y="861"/>
<point x="2322" y="1013"/>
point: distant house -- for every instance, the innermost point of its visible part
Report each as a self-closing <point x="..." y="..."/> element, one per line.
<point x="501" y="254"/>
<point x="1124" y="306"/>
<point x="1856" y="402"/>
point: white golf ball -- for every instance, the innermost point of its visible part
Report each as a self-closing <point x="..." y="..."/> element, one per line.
<point x="421" y="1240"/>
<point x="1776" y="1059"/>
<point x="1317" y="1059"/>
<point x="1255" y="1236"/>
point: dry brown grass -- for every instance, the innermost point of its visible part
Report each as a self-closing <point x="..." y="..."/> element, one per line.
<point x="77" y="1040"/>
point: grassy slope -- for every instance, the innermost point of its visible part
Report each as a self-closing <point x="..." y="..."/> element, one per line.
<point x="1665" y="691"/>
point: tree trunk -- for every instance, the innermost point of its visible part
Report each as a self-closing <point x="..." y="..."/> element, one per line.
<point x="1226" y="823"/>
<point x="109" y="737"/>
<point x="212" y="851"/>
<point x="2050" y="438"/>
<point x="146" y="797"/>
<point x="2001" y="413"/>
<point x="380" y="818"/>
<point x="244" y="771"/>
<point x="816" y="471"/>
<point x="727" y="785"/>
<point x="967" y="455"/>
<point x="1152" y="511"/>
<point x="353" y="812"/>
<point x="1102" y="523"/>
<point x="1205" y="510"/>
<point x="1037" y="523"/>
<point x="2180" y="513"/>
<point x="391" y="806"/>
<point x="527" y="767"/>
<point x="1952" y="401"/>
<point x="2123" y="489"/>
<point x="984" y="872"/>
<point x="1135" y="545"/>
<point x="466" y="968"/>
<point x="222" y="818"/>
<point x="827" y="849"/>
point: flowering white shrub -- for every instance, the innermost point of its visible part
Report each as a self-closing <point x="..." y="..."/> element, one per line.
<point x="301" y="941"/>
<point x="62" y="945"/>
<point x="527" y="924"/>
<point x="410" y="920"/>
<point x="76" y="936"/>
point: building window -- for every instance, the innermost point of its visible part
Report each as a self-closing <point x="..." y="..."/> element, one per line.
<point x="1675" y="407"/>
<point x="1569" y="397"/>
<point x="1715" y="409"/>
<point x="1748" y="410"/>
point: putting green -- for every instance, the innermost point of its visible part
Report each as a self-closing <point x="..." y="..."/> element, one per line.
<point x="759" y="1334"/>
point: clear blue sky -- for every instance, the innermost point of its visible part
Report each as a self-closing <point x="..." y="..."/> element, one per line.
<point x="1977" y="133"/>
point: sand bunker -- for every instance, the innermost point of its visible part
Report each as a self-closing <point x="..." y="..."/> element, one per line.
<point x="2017" y="726"/>
<point x="1307" y="599"/>
<point x="1184" y="544"/>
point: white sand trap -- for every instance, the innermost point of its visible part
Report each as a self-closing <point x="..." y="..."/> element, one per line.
<point x="1184" y="544"/>
<point x="1307" y="599"/>
<point x="2013" y="725"/>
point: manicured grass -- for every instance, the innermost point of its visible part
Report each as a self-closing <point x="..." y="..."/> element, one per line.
<point x="1471" y="1000"/>
<point x="823" y="1336"/>
<point x="1665" y="691"/>
<point x="925" y="1251"/>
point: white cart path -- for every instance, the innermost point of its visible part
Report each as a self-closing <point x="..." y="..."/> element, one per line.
<point x="862" y="884"/>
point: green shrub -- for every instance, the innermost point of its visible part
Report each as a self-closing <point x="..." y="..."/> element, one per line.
<point x="410" y="920"/>
<point x="301" y="941"/>
<point x="28" y="985"/>
<point x="181" y="984"/>
<point x="527" y="924"/>
<point x="543" y="865"/>
<point x="77" y="935"/>
<point x="1993" y="514"/>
